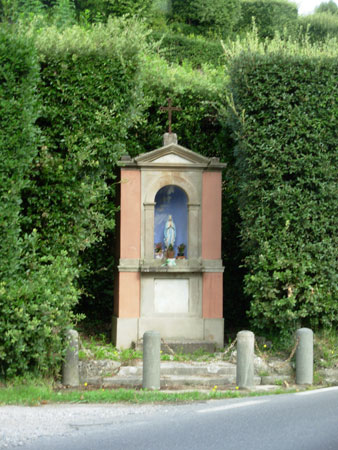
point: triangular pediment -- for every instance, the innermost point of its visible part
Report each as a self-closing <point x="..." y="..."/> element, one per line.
<point x="172" y="154"/>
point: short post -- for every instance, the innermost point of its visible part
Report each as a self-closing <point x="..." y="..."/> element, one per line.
<point x="70" y="368"/>
<point x="245" y="359"/>
<point x="304" y="356"/>
<point x="151" y="360"/>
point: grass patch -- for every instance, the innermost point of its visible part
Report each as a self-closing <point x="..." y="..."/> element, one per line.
<point x="326" y="349"/>
<point x="44" y="393"/>
<point x="98" y="348"/>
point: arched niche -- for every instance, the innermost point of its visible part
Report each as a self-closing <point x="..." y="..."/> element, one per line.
<point x="171" y="200"/>
<point x="152" y="185"/>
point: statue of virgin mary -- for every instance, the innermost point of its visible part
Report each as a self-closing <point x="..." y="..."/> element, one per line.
<point x="169" y="232"/>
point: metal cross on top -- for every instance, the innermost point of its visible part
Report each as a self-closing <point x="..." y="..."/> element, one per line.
<point x="170" y="108"/>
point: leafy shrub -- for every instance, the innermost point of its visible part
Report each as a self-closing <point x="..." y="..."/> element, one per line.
<point x="176" y="48"/>
<point x="319" y="27"/>
<point x="213" y="17"/>
<point x="269" y="16"/>
<point x="36" y="310"/>
<point x="286" y="158"/>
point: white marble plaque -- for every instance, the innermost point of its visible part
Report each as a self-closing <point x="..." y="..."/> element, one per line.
<point x="171" y="296"/>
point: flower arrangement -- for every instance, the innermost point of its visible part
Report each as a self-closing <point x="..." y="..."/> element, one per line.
<point x="170" y="251"/>
<point x="158" y="247"/>
<point x="181" y="249"/>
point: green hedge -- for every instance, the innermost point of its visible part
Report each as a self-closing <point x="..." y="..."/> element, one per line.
<point x="177" y="48"/>
<point x="269" y="16"/>
<point x="36" y="293"/>
<point x="287" y="162"/>
<point x="57" y="181"/>
<point x="18" y="79"/>
<point x="91" y="93"/>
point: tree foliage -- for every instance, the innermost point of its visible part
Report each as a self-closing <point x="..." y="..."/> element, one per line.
<point x="330" y="7"/>
<point x="270" y="16"/>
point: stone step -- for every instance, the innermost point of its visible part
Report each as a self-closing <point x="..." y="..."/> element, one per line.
<point x="330" y="375"/>
<point x="173" y="374"/>
<point x="179" y="346"/>
<point x="176" y="381"/>
<point x="172" y="368"/>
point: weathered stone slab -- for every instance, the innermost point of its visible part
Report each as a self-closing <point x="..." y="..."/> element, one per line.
<point x="330" y="375"/>
<point x="97" y="368"/>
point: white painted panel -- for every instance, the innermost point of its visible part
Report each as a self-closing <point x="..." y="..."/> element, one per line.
<point x="171" y="296"/>
<point x="171" y="158"/>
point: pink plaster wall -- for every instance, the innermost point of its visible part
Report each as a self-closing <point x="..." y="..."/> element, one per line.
<point x="211" y="215"/>
<point x="129" y="294"/>
<point x="130" y="239"/>
<point x="128" y="304"/>
<point x="212" y="295"/>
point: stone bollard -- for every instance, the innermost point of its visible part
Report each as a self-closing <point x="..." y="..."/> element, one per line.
<point x="304" y="356"/>
<point x="70" y="367"/>
<point x="245" y="359"/>
<point x="151" y="360"/>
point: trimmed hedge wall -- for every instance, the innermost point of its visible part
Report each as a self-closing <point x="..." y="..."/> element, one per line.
<point x="287" y="162"/>
<point x="18" y="79"/>
<point x="36" y="293"/>
<point x="59" y="150"/>
<point x="91" y="93"/>
<point x="89" y="85"/>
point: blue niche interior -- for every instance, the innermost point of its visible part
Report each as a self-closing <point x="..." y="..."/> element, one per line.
<point x="171" y="200"/>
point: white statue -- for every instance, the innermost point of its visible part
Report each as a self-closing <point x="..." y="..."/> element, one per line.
<point x="169" y="232"/>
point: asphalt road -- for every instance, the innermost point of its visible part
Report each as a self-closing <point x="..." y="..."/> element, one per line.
<point x="302" y="421"/>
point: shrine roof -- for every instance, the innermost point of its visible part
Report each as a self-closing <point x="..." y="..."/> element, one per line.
<point x="172" y="155"/>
